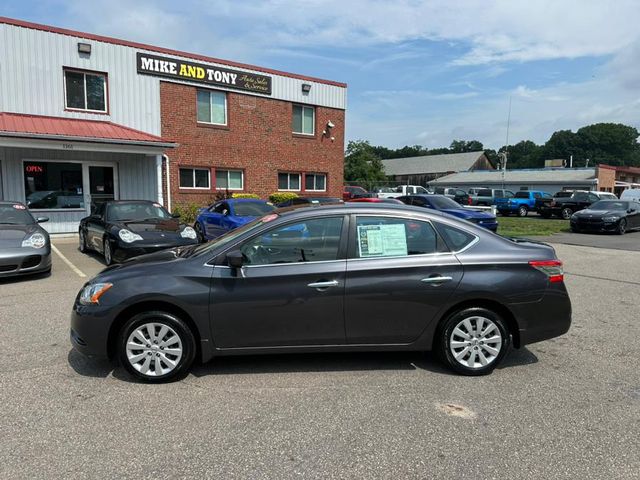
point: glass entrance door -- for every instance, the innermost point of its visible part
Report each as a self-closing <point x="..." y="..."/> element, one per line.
<point x="102" y="185"/>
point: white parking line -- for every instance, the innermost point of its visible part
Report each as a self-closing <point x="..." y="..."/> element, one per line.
<point x="68" y="262"/>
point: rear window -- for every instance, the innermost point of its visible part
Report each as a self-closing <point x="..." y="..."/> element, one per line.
<point x="522" y="195"/>
<point x="455" y="238"/>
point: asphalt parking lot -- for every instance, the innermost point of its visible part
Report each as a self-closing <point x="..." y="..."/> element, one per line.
<point x="564" y="408"/>
<point x="629" y="242"/>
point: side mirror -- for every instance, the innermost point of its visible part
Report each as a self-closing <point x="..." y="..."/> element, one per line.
<point x="175" y="215"/>
<point x="42" y="219"/>
<point x="631" y="210"/>
<point x="235" y="259"/>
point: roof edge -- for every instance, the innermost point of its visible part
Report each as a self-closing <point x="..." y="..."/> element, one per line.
<point x="112" y="141"/>
<point x="194" y="56"/>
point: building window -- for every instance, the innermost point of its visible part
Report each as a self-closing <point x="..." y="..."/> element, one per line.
<point x="85" y="91"/>
<point x="303" y="120"/>
<point x="289" y="181"/>
<point x="316" y="182"/>
<point x="229" y="179"/>
<point x="195" y="178"/>
<point x="212" y="107"/>
<point x="53" y="185"/>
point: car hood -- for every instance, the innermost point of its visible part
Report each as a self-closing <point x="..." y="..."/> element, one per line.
<point x="161" y="226"/>
<point x="12" y="235"/>
<point x="600" y="213"/>
<point x="469" y="214"/>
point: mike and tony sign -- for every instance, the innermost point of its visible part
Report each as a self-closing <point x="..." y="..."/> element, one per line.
<point x="201" y="73"/>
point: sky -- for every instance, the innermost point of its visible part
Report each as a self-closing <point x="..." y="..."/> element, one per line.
<point x="418" y="72"/>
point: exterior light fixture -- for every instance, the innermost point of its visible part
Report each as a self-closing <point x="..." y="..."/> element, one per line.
<point x="306" y="88"/>
<point x="84" y="48"/>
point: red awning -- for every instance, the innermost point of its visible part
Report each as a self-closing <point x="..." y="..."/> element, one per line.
<point x="58" y="128"/>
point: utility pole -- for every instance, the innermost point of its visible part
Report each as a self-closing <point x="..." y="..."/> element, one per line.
<point x="505" y="154"/>
<point x="571" y="161"/>
<point x="587" y="164"/>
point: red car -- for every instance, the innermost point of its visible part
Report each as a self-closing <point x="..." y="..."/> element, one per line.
<point x="376" y="200"/>
<point x="353" y="191"/>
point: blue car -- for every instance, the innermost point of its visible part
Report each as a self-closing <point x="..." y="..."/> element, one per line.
<point x="447" y="205"/>
<point x="225" y="215"/>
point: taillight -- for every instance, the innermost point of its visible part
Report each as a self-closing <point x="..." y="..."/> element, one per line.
<point x="468" y="200"/>
<point x="551" y="268"/>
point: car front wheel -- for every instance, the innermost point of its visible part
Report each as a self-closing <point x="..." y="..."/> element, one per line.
<point x="156" y="347"/>
<point x="622" y="227"/>
<point x="472" y="341"/>
<point x="566" y="213"/>
<point x="107" y="252"/>
<point x="522" y="211"/>
<point x="82" y="241"/>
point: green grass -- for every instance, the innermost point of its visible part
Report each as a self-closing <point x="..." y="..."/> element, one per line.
<point x="529" y="226"/>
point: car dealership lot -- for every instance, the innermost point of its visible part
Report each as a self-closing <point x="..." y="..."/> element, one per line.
<point x="564" y="408"/>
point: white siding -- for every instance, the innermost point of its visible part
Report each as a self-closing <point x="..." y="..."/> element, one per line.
<point x="31" y="79"/>
<point x="137" y="179"/>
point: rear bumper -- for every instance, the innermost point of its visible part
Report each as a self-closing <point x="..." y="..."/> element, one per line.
<point x="24" y="261"/>
<point x="547" y="318"/>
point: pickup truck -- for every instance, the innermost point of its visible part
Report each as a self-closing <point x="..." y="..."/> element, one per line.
<point x="563" y="206"/>
<point x="487" y="196"/>
<point x="401" y="190"/>
<point x="521" y="203"/>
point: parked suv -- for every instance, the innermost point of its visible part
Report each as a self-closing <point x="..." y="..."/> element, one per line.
<point x="456" y="194"/>
<point x="487" y="196"/>
<point x="564" y="207"/>
<point x="521" y="203"/>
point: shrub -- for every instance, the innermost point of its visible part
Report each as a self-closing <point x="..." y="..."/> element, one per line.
<point x="279" y="197"/>
<point x="187" y="211"/>
<point x="245" y="195"/>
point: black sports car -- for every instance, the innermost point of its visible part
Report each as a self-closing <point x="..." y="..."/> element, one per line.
<point x="24" y="245"/>
<point x="122" y="229"/>
<point x="607" y="216"/>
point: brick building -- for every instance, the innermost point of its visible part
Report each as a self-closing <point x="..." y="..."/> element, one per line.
<point x="86" y="118"/>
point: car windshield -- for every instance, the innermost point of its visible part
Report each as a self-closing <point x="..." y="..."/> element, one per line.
<point x="522" y="195"/>
<point x="443" y="202"/>
<point x="228" y="237"/>
<point x="609" y="205"/>
<point x="121" y="212"/>
<point x="252" y="209"/>
<point x="15" y="215"/>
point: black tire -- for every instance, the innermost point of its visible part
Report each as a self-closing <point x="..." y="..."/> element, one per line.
<point x="522" y="211"/>
<point x="107" y="252"/>
<point x="566" y="213"/>
<point x="82" y="242"/>
<point x="198" y="228"/>
<point x="622" y="226"/>
<point x="444" y="334"/>
<point x="187" y="342"/>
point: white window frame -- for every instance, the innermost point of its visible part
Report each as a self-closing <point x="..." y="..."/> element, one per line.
<point x="289" y="182"/>
<point x="86" y="103"/>
<point x="229" y="170"/>
<point x="314" y="189"/>
<point x="193" y="176"/>
<point x="226" y="111"/>
<point x="313" y="117"/>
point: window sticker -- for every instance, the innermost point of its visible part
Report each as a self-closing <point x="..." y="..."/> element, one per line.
<point x="382" y="240"/>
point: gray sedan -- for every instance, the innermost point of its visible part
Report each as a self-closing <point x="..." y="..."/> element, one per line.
<point x="24" y="245"/>
<point x="332" y="278"/>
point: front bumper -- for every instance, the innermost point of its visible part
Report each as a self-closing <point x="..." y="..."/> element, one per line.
<point x="90" y="326"/>
<point x="547" y="318"/>
<point x="594" y="225"/>
<point x="24" y="261"/>
<point x="122" y="251"/>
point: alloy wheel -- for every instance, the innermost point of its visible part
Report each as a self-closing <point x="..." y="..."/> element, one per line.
<point x="622" y="226"/>
<point x="566" y="213"/>
<point x="475" y="342"/>
<point x="108" y="259"/>
<point x="154" y="349"/>
<point x="522" y="211"/>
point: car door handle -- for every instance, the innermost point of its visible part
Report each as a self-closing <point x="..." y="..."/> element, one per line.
<point x="330" y="283"/>
<point x="436" y="280"/>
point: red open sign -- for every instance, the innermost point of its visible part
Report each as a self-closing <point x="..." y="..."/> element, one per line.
<point x="34" y="169"/>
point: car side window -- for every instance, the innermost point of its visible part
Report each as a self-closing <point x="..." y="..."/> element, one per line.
<point x="379" y="237"/>
<point x="508" y="194"/>
<point x="593" y="198"/>
<point x="418" y="201"/>
<point x="537" y="195"/>
<point x="456" y="239"/>
<point x="222" y="208"/>
<point x="312" y="240"/>
<point x="461" y="192"/>
<point x="499" y="193"/>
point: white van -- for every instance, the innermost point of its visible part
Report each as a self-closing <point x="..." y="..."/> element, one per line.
<point x="631" y="194"/>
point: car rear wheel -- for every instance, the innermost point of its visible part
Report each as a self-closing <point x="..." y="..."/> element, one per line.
<point x="156" y="347"/>
<point x="472" y="341"/>
<point x="522" y="211"/>
<point x="622" y="226"/>
<point x="82" y="242"/>
<point x="566" y="213"/>
<point x="200" y="233"/>
<point x="108" y="253"/>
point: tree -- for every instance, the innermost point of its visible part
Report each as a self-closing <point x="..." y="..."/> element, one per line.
<point x="362" y="165"/>
<point x="462" y="146"/>
<point x="611" y="143"/>
<point x="524" y="154"/>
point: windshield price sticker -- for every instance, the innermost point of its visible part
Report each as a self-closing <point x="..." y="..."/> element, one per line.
<point x="382" y="240"/>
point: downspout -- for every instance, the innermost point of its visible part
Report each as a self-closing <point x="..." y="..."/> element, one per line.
<point x="159" y="196"/>
<point x="166" y="159"/>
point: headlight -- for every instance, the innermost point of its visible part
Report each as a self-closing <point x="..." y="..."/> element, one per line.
<point x="91" y="293"/>
<point x="128" y="236"/>
<point x="36" y="240"/>
<point x="610" y="219"/>
<point x="188" y="232"/>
